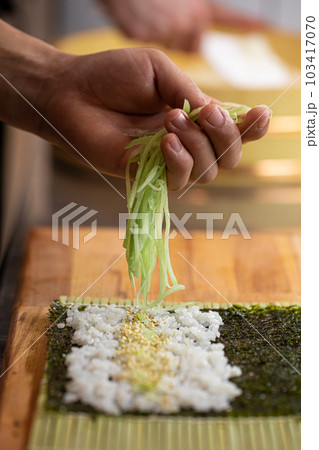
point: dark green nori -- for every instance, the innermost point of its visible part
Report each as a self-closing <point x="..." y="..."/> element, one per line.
<point x="59" y="345"/>
<point x="270" y="386"/>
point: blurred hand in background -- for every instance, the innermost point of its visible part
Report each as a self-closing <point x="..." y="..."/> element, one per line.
<point x="177" y="24"/>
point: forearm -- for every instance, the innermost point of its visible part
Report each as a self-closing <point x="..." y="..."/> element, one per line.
<point x="30" y="66"/>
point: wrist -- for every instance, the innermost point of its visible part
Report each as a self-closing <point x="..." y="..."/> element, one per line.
<point x="31" y="67"/>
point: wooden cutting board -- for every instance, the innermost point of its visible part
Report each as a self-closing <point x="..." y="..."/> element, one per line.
<point x="264" y="269"/>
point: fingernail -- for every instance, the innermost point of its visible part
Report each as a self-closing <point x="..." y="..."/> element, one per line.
<point x="215" y="118"/>
<point x="263" y="121"/>
<point x="180" y="122"/>
<point x="175" y="144"/>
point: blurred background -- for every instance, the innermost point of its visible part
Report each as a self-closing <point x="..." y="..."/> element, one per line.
<point x="239" y="65"/>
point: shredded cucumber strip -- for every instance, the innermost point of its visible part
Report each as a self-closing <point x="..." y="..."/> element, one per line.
<point x="148" y="194"/>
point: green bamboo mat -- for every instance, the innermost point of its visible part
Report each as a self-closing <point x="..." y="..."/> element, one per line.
<point x="68" y="301"/>
<point x="79" y="431"/>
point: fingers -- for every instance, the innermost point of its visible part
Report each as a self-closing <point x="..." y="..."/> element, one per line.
<point x="227" y="16"/>
<point x="196" y="142"/>
<point x="195" y="154"/>
<point x="183" y="36"/>
<point x="178" y="160"/>
<point x="223" y="134"/>
<point x="255" y="124"/>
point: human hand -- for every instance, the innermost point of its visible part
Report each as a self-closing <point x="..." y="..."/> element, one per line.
<point x="101" y="100"/>
<point x="221" y="15"/>
<point x="94" y="103"/>
<point x="179" y="24"/>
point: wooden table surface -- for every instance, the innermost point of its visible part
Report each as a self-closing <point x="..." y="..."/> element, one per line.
<point x="264" y="269"/>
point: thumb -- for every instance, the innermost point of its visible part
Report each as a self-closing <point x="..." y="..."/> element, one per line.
<point x="173" y="85"/>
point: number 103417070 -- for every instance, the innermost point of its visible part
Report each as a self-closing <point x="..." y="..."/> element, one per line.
<point x="310" y="50"/>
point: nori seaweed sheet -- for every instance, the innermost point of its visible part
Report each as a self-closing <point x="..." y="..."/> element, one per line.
<point x="270" y="386"/>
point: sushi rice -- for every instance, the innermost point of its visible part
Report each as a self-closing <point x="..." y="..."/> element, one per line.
<point x="148" y="360"/>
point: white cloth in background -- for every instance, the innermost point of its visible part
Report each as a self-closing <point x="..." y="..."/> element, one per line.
<point x="246" y="62"/>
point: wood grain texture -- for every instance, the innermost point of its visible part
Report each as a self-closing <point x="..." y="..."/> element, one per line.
<point x="20" y="384"/>
<point x="264" y="269"/>
<point x="45" y="274"/>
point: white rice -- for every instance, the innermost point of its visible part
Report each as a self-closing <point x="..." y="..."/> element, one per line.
<point x="198" y="375"/>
